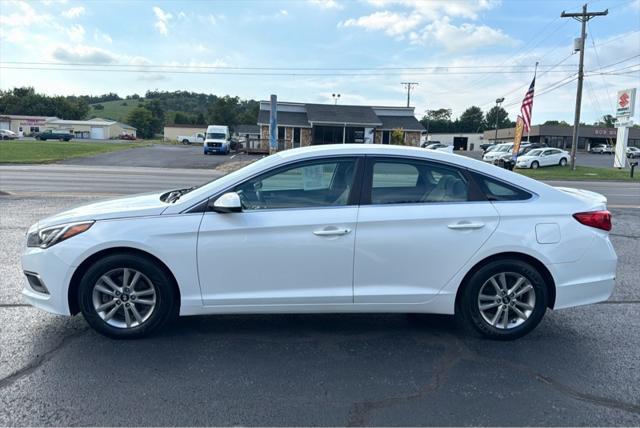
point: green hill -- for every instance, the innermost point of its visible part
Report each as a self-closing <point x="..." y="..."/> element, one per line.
<point x="114" y="110"/>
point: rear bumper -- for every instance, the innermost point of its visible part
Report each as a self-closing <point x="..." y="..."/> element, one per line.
<point x="590" y="279"/>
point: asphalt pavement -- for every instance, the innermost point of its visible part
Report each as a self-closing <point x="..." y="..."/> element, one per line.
<point x="579" y="367"/>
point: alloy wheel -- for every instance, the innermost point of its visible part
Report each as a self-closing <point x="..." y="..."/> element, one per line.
<point x="506" y="300"/>
<point x="124" y="298"/>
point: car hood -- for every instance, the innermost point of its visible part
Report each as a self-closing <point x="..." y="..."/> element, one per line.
<point x="146" y="204"/>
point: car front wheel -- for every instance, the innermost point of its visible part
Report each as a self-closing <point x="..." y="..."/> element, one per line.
<point x="503" y="300"/>
<point x="563" y="161"/>
<point x="126" y="296"/>
<point x="535" y="165"/>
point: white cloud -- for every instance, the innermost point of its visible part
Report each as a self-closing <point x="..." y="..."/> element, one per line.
<point x="83" y="54"/>
<point x="326" y="4"/>
<point x="162" y="20"/>
<point x="24" y="15"/>
<point x="433" y="9"/>
<point x="283" y="12"/>
<point x="76" y="33"/>
<point x="464" y="36"/>
<point x="74" y="12"/>
<point x="391" y="23"/>
<point x="102" y="37"/>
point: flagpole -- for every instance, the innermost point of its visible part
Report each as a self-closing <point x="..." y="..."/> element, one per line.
<point x="535" y="73"/>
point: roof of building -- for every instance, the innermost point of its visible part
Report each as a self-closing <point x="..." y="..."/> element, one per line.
<point x="247" y="129"/>
<point x="91" y="122"/>
<point x="285" y="118"/>
<point x="327" y="113"/>
<point x="306" y="115"/>
<point x="22" y="116"/>
<point x="407" y="123"/>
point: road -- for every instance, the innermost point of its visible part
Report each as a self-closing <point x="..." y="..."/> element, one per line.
<point x="579" y="367"/>
<point x="94" y="180"/>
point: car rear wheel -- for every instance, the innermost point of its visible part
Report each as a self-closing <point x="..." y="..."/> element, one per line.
<point x="185" y="142"/>
<point x="126" y="296"/>
<point x="563" y="161"/>
<point x="503" y="300"/>
<point x="535" y="165"/>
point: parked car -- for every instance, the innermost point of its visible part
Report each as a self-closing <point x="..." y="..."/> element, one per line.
<point x="602" y="149"/>
<point x="217" y="140"/>
<point x="197" y="138"/>
<point x="440" y="147"/>
<point x="633" y="152"/>
<point x="51" y="135"/>
<point x="485" y="146"/>
<point x="129" y="137"/>
<point x="543" y="157"/>
<point x="6" y="134"/>
<point x="496" y="153"/>
<point x="427" y="143"/>
<point x="335" y="228"/>
<point x="531" y="146"/>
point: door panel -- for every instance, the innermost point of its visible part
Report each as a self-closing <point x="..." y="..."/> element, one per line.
<point x="420" y="222"/>
<point x="276" y="257"/>
<point x="407" y="253"/>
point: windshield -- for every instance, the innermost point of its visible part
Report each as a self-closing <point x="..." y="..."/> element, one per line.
<point x="535" y="152"/>
<point x="216" y="136"/>
<point x="503" y="148"/>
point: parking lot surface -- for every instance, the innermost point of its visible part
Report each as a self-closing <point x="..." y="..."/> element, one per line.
<point x="159" y="156"/>
<point x="579" y="367"/>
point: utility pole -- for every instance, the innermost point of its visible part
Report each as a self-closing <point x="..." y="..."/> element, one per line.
<point x="498" y="102"/>
<point x="409" y="86"/>
<point x="583" y="18"/>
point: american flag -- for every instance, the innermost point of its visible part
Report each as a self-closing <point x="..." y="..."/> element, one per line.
<point x="527" y="106"/>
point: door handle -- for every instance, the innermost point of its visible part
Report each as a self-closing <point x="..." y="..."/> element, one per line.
<point x="465" y="225"/>
<point x="331" y="232"/>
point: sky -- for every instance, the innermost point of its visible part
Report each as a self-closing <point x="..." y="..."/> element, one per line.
<point x="461" y="52"/>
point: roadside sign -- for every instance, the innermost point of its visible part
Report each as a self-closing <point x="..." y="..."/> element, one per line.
<point x="625" y="103"/>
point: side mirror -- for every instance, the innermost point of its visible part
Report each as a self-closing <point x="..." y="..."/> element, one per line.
<point x="227" y="203"/>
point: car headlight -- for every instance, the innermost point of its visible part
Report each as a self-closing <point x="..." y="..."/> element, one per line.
<point x="45" y="238"/>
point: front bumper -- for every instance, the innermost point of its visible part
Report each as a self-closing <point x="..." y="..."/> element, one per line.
<point x="54" y="274"/>
<point x="221" y="149"/>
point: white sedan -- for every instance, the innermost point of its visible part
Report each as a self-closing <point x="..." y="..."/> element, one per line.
<point x="543" y="157"/>
<point x="325" y="229"/>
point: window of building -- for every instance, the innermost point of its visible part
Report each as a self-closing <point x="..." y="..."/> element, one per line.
<point x="414" y="181"/>
<point x="328" y="134"/>
<point x="311" y="184"/>
<point x="386" y="137"/>
<point x="296" y="137"/>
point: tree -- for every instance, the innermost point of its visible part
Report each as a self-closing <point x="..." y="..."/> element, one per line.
<point x="556" y="123"/>
<point x="497" y="115"/>
<point x="608" y="121"/>
<point x="98" y="107"/>
<point x="224" y="111"/>
<point x="157" y="112"/>
<point x="142" y="119"/>
<point x="471" y="120"/>
<point x="397" y="137"/>
<point x="437" y="121"/>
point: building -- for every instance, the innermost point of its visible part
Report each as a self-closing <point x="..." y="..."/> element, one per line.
<point x="305" y="124"/>
<point x="95" y="129"/>
<point x="459" y="141"/>
<point x="171" y="132"/>
<point x="561" y="136"/>
<point x="241" y="131"/>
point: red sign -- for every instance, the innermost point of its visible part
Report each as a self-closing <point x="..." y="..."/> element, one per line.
<point x="623" y="101"/>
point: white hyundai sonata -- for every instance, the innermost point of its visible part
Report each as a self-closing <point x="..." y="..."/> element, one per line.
<point x="325" y="229"/>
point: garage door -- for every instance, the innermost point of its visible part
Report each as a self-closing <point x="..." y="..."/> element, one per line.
<point x="97" y="133"/>
<point x="5" y="125"/>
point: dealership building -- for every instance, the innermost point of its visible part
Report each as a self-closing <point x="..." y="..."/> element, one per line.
<point x="561" y="136"/>
<point x="95" y="129"/>
<point x="305" y="124"/>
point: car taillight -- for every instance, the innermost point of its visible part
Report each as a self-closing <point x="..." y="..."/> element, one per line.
<point x="597" y="219"/>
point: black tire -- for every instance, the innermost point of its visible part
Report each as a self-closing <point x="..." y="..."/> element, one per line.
<point x="535" y="165"/>
<point x="166" y="307"/>
<point x="563" y="162"/>
<point x="468" y="311"/>
<point x="185" y="142"/>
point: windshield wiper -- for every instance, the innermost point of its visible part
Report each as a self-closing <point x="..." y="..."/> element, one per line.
<point x="175" y="194"/>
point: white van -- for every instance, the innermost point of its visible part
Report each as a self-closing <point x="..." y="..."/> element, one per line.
<point x="217" y="139"/>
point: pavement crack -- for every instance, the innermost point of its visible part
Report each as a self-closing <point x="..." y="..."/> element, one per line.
<point x="620" y="302"/>
<point x="37" y="362"/>
<point x="361" y="410"/>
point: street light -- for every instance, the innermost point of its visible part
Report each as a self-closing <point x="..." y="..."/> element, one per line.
<point x="336" y="97"/>
<point x="498" y="102"/>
